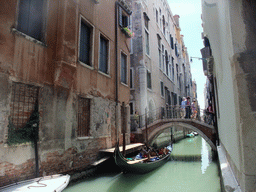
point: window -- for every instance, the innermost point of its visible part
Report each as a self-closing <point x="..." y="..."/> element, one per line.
<point x="83" y="121"/>
<point x="171" y="41"/>
<point x="85" y="43"/>
<point x="123" y="68"/>
<point x="156" y="16"/>
<point x="176" y="50"/>
<point x="166" y="63"/>
<point x="131" y="78"/>
<point x="172" y="68"/>
<point x="23" y="100"/>
<point x="162" y="88"/>
<point x="30" y="19"/>
<point x="103" y="64"/>
<point x="177" y="72"/>
<point x="24" y="116"/>
<point x="160" y="58"/>
<point x="159" y="50"/>
<point x="163" y="60"/>
<point x="123" y="18"/>
<point x="131" y="108"/>
<point x="146" y="20"/>
<point x="149" y="80"/>
<point x="147" y="42"/>
<point x="163" y="25"/>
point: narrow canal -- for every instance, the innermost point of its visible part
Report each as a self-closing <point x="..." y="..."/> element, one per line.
<point x="191" y="169"/>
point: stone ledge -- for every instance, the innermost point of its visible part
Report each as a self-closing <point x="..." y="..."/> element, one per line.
<point x="228" y="180"/>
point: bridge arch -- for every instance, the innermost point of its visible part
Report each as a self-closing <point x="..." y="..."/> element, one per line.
<point x="154" y="133"/>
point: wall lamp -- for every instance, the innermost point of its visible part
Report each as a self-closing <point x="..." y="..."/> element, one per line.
<point x="204" y="59"/>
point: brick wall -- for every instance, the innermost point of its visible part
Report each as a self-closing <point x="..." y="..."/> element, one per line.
<point x="13" y="173"/>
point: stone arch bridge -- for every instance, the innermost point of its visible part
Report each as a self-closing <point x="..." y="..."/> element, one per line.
<point x="153" y="128"/>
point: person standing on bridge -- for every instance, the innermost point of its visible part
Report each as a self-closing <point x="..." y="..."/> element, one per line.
<point x="183" y="107"/>
<point x="194" y="110"/>
<point x="211" y="115"/>
<point x="188" y="108"/>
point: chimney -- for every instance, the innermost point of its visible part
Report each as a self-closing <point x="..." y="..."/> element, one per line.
<point x="177" y="20"/>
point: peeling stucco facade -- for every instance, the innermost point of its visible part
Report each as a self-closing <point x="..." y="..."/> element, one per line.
<point x="52" y="64"/>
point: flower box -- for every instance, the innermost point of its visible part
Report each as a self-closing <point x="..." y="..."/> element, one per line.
<point x="128" y="33"/>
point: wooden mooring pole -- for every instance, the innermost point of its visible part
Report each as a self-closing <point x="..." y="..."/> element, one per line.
<point x="123" y="117"/>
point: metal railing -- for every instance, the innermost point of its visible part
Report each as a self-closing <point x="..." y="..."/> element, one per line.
<point x="170" y="112"/>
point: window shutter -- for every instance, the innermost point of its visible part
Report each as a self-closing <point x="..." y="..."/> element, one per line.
<point x="120" y="17"/>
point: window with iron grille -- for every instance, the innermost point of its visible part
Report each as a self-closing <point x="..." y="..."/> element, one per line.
<point x="123" y="68"/>
<point x="85" y="43"/>
<point x="84" y="109"/>
<point x="23" y="100"/>
<point x="103" y="64"/>
<point x="30" y="19"/>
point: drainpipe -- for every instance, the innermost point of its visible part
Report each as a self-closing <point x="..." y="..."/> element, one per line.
<point x="117" y="5"/>
<point x="116" y="45"/>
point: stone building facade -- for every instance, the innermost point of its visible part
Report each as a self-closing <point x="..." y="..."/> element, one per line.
<point x="64" y="73"/>
<point x="160" y="68"/>
<point x="229" y="36"/>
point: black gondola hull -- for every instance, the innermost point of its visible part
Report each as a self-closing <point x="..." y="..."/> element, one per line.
<point x="138" y="167"/>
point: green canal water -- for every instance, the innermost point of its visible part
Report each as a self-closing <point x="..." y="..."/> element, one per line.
<point x="191" y="169"/>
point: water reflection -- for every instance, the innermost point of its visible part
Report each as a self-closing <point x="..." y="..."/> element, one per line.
<point x="205" y="156"/>
<point x="176" y="175"/>
<point x="129" y="182"/>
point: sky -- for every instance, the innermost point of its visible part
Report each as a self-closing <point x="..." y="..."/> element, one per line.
<point x="191" y="27"/>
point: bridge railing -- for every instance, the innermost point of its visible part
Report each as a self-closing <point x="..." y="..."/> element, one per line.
<point x="169" y="112"/>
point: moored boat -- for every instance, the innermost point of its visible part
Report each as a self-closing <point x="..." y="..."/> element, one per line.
<point x="139" y="166"/>
<point x="190" y="135"/>
<point x="53" y="183"/>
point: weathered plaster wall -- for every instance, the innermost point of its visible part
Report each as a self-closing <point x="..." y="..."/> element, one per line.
<point x="53" y="66"/>
<point x="229" y="26"/>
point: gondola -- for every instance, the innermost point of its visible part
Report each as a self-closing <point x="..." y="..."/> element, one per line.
<point x="138" y="166"/>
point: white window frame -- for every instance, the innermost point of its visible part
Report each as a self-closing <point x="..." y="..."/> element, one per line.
<point x="122" y="52"/>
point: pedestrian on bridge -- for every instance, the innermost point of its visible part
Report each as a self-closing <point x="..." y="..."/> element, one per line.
<point x="194" y="109"/>
<point x="183" y="107"/>
<point x="188" y="108"/>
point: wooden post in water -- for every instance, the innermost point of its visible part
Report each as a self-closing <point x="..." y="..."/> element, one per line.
<point x="123" y="117"/>
<point x="146" y="125"/>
